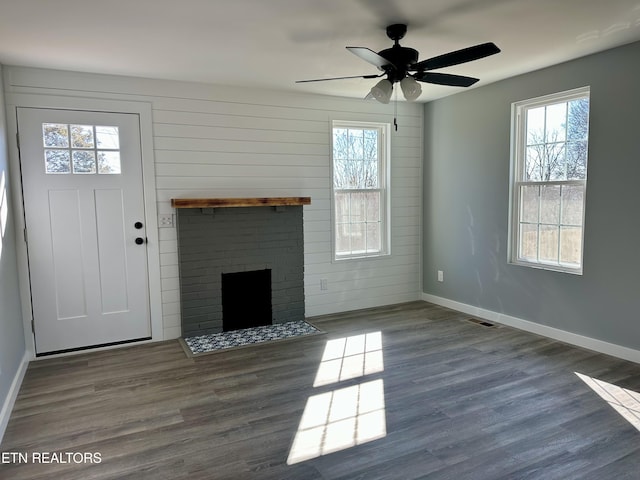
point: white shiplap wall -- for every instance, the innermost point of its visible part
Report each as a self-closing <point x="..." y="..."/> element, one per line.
<point x="217" y="141"/>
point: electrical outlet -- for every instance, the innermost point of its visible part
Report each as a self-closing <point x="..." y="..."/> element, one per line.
<point x="165" y="220"/>
<point x="440" y="276"/>
<point x="323" y="284"/>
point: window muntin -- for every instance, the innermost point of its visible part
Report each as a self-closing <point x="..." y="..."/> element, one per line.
<point x="359" y="152"/>
<point x="549" y="181"/>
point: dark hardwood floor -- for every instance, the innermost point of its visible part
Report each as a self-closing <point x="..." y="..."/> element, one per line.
<point x="461" y="401"/>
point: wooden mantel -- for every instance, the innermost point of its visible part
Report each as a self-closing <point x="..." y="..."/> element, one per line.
<point x="238" y="202"/>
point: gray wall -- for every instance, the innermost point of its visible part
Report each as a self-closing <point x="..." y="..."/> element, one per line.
<point x="466" y="202"/>
<point x="11" y="332"/>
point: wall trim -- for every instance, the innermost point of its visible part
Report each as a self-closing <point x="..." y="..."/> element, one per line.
<point x="10" y="400"/>
<point x="596" y="345"/>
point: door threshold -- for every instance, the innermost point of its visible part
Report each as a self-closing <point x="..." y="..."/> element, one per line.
<point x="91" y="347"/>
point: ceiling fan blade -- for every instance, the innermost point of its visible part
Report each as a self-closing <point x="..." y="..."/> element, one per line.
<point x="459" y="56"/>
<point x="338" y="78"/>
<point x="446" y="79"/>
<point x="370" y="56"/>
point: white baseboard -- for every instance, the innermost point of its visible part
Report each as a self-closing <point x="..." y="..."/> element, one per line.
<point x="5" y="413"/>
<point x="599" y="346"/>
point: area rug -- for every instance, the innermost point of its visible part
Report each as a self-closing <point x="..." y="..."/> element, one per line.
<point x="215" y="342"/>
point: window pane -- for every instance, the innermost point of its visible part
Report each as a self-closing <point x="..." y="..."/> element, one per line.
<point x="343" y="238"/>
<point x="107" y="137"/>
<point x="577" y="160"/>
<point x="528" y="242"/>
<point x="373" y="206"/>
<point x="572" y="204"/>
<point x="371" y="174"/>
<point x="548" y="243"/>
<point x="55" y="135"/>
<point x="555" y="162"/>
<point x="358" y="237"/>
<point x="534" y="164"/>
<point x="84" y="161"/>
<point x="556" y="123"/>
<point x="571" y="245"/>
<point x="57" y="161"/>
<point x="550" y="204"/>
<point x="529" y="201"/>
<point x="340" y="143"/>
<point x="82" y="136"/>
<point x="342" y="207"/>
<point x="578" y="120"/>
<point x="358" y="207"/>
<point x="371" y="144"/>
<point x="373" y="237"/>
<point x="109" y="162"/>
<point x="356" y="144"/>
<point x="535" y="126"/>
<point x="340" y="176"/>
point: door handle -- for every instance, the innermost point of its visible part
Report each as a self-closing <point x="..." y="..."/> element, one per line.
<point x="140" y="240"/>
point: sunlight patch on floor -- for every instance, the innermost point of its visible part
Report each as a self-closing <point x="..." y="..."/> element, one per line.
<point x="344" y="417"/>
<point x="340" y="419"/>
<point x="624" y="401"/>
<point x="350" y="357"/>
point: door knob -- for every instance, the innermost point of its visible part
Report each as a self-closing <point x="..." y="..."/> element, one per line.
<point x="139" y="241"/>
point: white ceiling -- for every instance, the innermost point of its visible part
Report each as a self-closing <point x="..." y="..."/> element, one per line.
<point x="272" y="43"/>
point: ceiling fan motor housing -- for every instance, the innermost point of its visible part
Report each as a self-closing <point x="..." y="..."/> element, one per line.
<point x="401" y="59"/>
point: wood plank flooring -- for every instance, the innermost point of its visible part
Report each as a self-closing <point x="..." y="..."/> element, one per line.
<point x="461" y="401"/>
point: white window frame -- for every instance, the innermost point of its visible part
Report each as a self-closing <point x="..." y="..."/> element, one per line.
<point x="517" y="180"/>
<point x="384" y="130"/>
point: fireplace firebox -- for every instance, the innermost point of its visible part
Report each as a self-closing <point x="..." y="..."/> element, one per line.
<point x="246" y="299"/>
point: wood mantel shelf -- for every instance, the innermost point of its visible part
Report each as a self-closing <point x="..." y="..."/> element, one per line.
<point x="238" y="202"/>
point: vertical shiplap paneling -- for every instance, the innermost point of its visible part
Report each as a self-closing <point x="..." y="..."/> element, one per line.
<point x="218" y="141"/>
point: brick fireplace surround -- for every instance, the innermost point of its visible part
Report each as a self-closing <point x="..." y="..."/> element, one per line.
<point x="230" y="235"/>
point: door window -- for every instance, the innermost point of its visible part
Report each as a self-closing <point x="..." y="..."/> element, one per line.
<point x="81" y="149"/>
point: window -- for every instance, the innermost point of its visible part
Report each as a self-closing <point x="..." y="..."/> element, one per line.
<point x="76" y="148"/>
<point x="549" y="178"/>
<point x="359" y="190"/>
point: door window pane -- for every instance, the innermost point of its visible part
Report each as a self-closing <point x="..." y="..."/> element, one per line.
<point x="84" y="161"/>
<point x="82" y="136"/>
<point x="107" y="137"/>
<point x="57" y="161"/>
<point x="55" y="135"/>
<point x="108" y="162"/>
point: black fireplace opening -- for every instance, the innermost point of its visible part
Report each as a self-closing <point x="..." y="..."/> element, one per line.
<point x="246" y="299"/>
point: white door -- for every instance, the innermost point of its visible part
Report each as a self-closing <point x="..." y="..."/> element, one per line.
<point x="84" y="212"/>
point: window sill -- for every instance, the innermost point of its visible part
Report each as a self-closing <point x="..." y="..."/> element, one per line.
<point x="547" y="266"/>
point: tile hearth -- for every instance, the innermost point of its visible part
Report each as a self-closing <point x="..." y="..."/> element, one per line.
<point x="237" y="338"/>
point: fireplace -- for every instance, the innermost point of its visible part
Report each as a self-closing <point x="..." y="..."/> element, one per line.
<point x="246" y="299"/>
<point x="241" y="262"/>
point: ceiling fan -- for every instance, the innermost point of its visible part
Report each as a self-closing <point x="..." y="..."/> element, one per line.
<point x="399" y="63"/>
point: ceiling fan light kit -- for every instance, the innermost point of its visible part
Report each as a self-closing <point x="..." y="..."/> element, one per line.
<point x="411" y="89"/>
<point x="382" y="91"/>
<point x="400" y="65"/>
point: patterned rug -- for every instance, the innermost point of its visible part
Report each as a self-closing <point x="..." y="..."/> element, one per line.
<point x="238" y="338"/>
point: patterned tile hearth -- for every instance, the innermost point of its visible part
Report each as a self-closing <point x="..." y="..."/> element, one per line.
<point x="238" y="338"/>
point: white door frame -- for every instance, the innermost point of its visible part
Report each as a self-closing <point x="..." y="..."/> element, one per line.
<point x="143" y="109"/>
